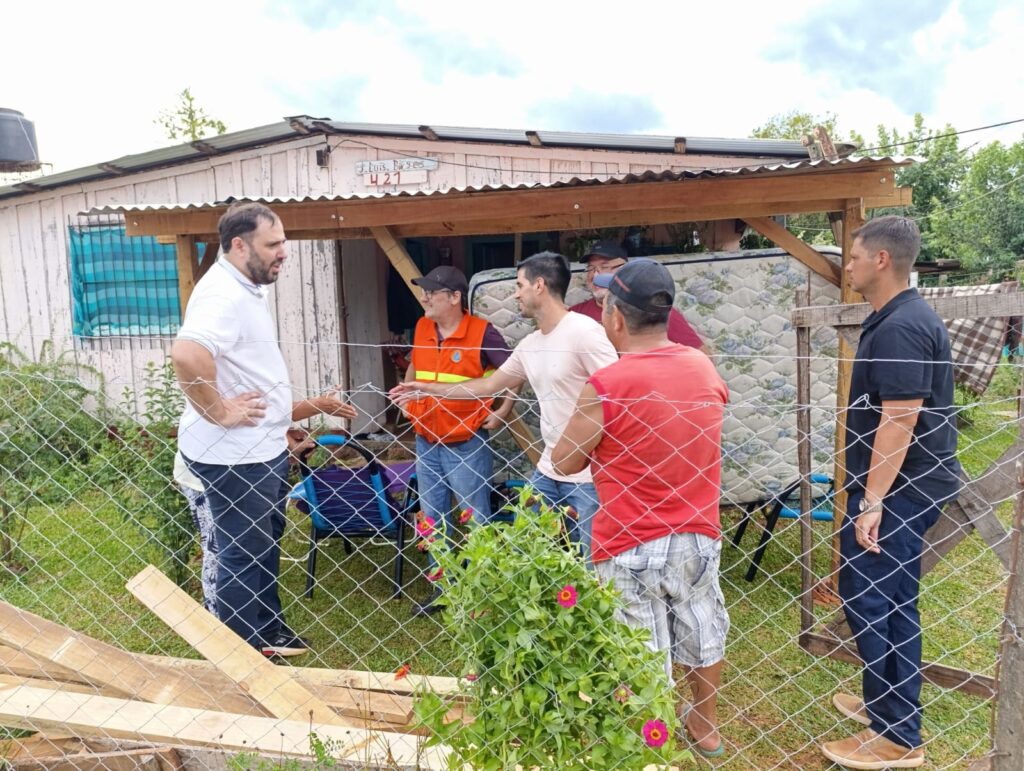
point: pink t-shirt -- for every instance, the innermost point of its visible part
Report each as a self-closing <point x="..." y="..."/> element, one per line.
<point x="658" y="466"/>
<point x="679" y="329"/>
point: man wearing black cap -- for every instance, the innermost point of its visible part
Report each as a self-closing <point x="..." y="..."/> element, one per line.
<point x="452" y="456"/>
<point x="650" y="427"/>
<point x="607" y="257"/>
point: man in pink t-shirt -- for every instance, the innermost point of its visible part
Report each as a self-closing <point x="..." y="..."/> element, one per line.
<point x="607" y="257"/>
<point x="650" y="427"/>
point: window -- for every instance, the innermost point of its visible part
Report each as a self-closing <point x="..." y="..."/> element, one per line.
<point x="121" y="285"/>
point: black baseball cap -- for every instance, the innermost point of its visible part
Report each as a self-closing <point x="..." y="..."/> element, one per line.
<point x="444" y="277"/>
<point x="606" y="250"/>
<point x="642" y="282"/>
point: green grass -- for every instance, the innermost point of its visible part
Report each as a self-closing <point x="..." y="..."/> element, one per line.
<point x="775" y="701"/>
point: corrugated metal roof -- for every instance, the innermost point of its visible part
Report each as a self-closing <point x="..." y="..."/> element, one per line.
<point x="301" y="125"/>
<point x="799" y="167"/>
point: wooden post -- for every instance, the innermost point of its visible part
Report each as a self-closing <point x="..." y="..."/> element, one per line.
<point x="188" y="268"/>
<point x="1008" y="720"/>
<point x="803" y="432"/>
<point x="853" y="218"/>
<point x="517" y="248"/>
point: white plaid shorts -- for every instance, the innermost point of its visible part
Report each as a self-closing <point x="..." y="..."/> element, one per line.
<point x="670" y="586"/>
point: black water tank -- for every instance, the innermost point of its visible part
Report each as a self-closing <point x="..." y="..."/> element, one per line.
<point x="18" y="150"/>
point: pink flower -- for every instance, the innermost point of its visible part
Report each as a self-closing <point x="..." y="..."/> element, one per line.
<point x="570" y="512"/>
<point x="469" y="677"/>
<point x="424" y="544"/>
<point x="622" y="693"/>
<point x="435" y="576"/>
<point x="465" y="516"/>
<point x="425" y="526"/>
<point x="567" y="596"/>
<point x="655" y="733"/>
<point x="402" y="671"/>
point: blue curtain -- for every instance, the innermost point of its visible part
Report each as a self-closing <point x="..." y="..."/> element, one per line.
<point x="122" y="285"/>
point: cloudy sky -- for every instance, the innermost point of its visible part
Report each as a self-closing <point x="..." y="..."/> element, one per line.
<point x="93" y="76"/>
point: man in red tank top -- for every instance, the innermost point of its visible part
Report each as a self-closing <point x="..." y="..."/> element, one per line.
<point x="650" y="426"/>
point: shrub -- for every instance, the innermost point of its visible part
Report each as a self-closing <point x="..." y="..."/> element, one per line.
<point x="555" y="681"/>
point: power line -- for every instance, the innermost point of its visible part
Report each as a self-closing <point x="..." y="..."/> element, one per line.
<point x="942" y="136"/>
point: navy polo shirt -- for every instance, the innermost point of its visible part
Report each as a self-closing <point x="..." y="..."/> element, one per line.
<point x="904" y="354"/>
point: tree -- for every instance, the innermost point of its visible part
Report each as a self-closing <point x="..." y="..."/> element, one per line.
<point x="188" y="121"/>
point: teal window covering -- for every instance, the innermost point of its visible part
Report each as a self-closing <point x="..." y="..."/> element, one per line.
<point x="121" y="285"/>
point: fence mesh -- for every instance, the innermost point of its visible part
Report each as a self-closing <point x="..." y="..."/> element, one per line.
<point x="88" y="499"/>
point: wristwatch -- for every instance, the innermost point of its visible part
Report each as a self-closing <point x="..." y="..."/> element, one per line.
<point x="867" y="508"/>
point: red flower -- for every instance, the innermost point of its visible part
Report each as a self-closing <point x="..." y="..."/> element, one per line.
<point x="570" y="512"/>
<point x="465" y="516"/>
<point x="435" y="576"/>
<point x="655" y="733"/>
<point x="469" y="677"/>
<point x="402" y="671"/>
<point x="567" y="596"/>
<point x="424" y="544"/>
<point x="425" y="526"/>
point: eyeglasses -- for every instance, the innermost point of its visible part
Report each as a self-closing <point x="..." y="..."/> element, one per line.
<point x="429" y="293"/>
<point x="606" y="267"/>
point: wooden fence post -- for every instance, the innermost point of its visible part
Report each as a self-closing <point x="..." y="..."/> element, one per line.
<point x="1008" y="720"/>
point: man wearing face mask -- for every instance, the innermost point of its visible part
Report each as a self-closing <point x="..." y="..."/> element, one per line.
<point x="607" y="257"/>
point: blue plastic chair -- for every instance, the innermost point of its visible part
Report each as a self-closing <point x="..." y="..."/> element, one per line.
<point x="352" y="503"/>
<point x="785" y="505"/>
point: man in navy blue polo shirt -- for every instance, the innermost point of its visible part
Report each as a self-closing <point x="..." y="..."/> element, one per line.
<point x="901" y="470"/>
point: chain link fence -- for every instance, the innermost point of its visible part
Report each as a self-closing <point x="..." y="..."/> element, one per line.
<point x="88" y="499"/>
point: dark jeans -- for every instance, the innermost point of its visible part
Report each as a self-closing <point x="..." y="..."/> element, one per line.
<point x="247" y="506"/>
<point x="879" y="593"/>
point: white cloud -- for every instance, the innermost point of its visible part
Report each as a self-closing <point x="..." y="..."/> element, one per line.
<point x="94" y="82"/>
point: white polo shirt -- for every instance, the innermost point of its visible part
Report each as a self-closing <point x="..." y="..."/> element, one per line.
<point x="229" y="316"/>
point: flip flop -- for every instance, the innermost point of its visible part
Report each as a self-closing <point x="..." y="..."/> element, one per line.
<point x="717" y="752"/>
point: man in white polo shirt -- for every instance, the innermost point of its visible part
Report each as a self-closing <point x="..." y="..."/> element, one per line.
<point x="239" y="406"/>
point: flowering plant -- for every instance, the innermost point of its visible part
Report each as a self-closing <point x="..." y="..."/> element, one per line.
<point x="558" y="681"/>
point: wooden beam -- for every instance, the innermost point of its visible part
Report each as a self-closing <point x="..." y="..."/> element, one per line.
<point x="105" y="665"/>
<point x="271" y="686"/>
<point x="937" y="674"/>
<point x="729" y="195"/>
<point x="101" y="716"/>
<point x="814" y="260"/>
<point x="966" y="307"/>
<point x="901" y="196"/>
<point x="188" y="268"/>
<point x="146" y="759"/>
<point x="679" y="145"/>
<point x="429" y="133"/>
<point x="399" y="258"/>
<point x="534" y="139"/>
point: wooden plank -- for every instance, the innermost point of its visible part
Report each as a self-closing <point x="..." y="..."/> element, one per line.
<point x="970" y="307"/>
<point x="813" y="259"/>
<point x="937" y="674"/>
<point x="803" y="429"/>
<point x="188" y="268"/>
<point x="1008" y="722"/>
<point x="270" y="685"/>
<point x="383" y="682"/>
<point x="492" y="205"/>
<point x="149" y="759"/>
<point x="105" y="665"/>
<point x="399" y="258"/>
<point x="901" y="196"/>
<point x="101" y="716"/>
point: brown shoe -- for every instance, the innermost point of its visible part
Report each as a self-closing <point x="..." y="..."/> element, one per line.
<point x="869" y="750"/>
<point x="852" y="707"/>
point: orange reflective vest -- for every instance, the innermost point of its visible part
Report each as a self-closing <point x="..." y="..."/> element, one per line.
<point x="455" y="359"/>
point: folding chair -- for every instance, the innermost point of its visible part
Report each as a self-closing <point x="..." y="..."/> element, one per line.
<point x="352" y="503"/>
<point x="785" y="505"/>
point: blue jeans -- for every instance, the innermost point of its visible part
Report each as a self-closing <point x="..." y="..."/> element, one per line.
<point x="879" y="593"/>
<point x="460" y="469"/>
<point x="247" y="507"/>
<point x="582" y="497"/>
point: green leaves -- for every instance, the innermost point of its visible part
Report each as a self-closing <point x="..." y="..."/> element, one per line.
<point x="547" y="667"/>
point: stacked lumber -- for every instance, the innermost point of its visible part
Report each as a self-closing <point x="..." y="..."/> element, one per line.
<point x="81" y="692"/>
